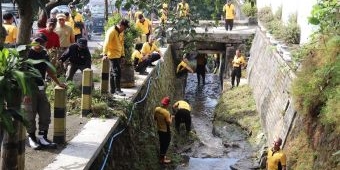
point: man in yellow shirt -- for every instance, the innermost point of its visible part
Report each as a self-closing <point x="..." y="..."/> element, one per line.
<point x="113" y="49"/>
<point x="182" y="9"/>
<point x="164" y="13"/>
<point x="150" y="51"/>
<point x="182" y="115"/>
<point x="183" y="67"/>
<point x="137" y="13"/>
<point x="276" y="159"/>
<point x="229" y="10"/>
<point x="237" y="62"/>
<point x="144" y="25"/>
<point x="12" y="30"/>
<point x="78" y="23"/>
<point x="163" y="120"/>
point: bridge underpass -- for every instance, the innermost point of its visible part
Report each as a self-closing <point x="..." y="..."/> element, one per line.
<point x="216" y="41"/>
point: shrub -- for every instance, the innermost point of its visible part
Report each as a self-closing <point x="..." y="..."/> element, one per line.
<point x="248" y="10"/>
<point x="275" y="27"/>
<point x="265" y="15"/>
<point x="291" y="33"/>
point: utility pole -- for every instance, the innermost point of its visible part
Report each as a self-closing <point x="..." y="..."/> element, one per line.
<point x="106" y="10"/>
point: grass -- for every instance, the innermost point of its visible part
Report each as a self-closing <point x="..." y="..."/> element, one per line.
<point x="300" y="156"/>
<point x="238" y="106"/>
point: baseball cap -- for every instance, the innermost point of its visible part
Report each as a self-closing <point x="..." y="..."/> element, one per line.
<point x="125" y="23"/>
<point x="82" y="42"/>
<point x="165" y="101"/>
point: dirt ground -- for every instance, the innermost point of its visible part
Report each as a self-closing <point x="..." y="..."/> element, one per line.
<point x="39" y="159"/>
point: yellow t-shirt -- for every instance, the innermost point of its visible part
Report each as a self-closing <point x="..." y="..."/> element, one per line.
<point x="12" y="33"/>
<point x="77" y="18"/>
<point x="163" y="119"/>
<point x="147" y="49"/>
<point x="114" y="43"/>
<point x="181" y="104"/>
<point x="273" y="159"/>
<point x="183" y="9"/>
<point x="238" y="61"/>
<point x="229" y="11"/>
<point x="137" y="54"/>
<point x="181" y="66"/>
<point x="143" y="26"/>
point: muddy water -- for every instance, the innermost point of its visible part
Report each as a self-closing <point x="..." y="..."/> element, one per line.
<point x="219" y="146"/>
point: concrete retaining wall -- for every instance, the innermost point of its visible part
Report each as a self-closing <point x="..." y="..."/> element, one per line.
<point x="126" y="151"/>
<point x="270" y="78"/>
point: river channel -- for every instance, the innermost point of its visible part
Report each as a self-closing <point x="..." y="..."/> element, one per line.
<point x="219" y="146"/>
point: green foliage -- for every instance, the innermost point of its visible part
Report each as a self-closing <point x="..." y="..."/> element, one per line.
<point x="16" y="74"/>
<point x="130" y="35"/>
<point x="316" y="89"/>
<point x="275" y="27"/>
<point x="291" y="33"/>
<point x="325" y="14"/>
<point x="265" y="15"/>
<point x="248" y="10"/>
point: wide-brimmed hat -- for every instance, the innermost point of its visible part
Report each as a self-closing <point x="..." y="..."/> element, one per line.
<point x="61" y="16"/>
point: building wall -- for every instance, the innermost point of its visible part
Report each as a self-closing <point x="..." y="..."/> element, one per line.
<point x="270" y="77"/>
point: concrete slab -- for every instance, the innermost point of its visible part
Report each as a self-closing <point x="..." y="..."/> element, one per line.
<point x="83" y="149"/>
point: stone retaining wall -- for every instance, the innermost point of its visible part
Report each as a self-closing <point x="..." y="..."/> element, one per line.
<point x="270" y="78"/>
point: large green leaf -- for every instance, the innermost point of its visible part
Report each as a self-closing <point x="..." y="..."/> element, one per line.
<point x="20" y="79"/>
<point x="49" y="65"/>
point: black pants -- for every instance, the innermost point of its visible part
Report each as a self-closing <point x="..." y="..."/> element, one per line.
<point x="236" y="73"/>
<point x="164" y="142"/>
<point x="115" y="75"/>
<point x="183" y="116"/>
<point x="229" y="24"/>
<point x="153" y="57"/>
<point x="141" y="67"/>
<point x="72" y="69"/>
<point x="200" y="70"/>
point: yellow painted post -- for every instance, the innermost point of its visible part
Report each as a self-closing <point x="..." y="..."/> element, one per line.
<point x="86" y="99"/>
<point x="59" y="135"/>
<point x="105" y="76"/>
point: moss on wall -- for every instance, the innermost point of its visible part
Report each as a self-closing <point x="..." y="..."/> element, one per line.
<point x="137" y="147"/>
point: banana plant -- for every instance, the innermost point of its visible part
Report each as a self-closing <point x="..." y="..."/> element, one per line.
<point x="17" y="76"/>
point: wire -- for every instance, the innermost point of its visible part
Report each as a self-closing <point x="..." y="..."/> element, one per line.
<point x="130" y="116"/>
